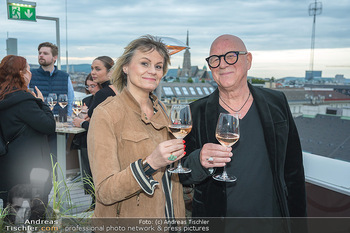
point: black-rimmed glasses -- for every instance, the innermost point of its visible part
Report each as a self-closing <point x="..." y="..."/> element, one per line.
<point x="230" y="58"/>
<point x="92" y="86"/>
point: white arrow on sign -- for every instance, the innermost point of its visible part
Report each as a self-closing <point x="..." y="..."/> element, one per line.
<point x="28" y="13"/>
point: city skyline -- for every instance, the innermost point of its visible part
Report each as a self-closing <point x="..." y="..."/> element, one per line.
<point x="278" y="33"/>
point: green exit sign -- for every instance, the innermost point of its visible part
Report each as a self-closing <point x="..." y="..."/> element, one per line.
<point x="21" y="10"/>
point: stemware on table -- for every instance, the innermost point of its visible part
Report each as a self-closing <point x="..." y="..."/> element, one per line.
<point x="63" y="100"/>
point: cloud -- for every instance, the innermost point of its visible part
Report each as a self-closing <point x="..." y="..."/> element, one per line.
<point x="105" y="27"/>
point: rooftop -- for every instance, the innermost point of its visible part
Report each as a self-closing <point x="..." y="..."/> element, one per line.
<point x="325" y="135"/>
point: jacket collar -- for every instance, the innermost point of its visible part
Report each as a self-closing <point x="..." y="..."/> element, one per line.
<point x="160" y="118"/>
<point x="267" y="123"/>
<point x="212" y="115"/>
<point x="105" y="84"/>
<point x="55" y="70"/>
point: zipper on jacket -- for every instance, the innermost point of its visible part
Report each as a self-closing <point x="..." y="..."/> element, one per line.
<point x="119" y="207"/>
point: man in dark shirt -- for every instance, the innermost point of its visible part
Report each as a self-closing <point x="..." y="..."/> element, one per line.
<point x="267" y="159"/>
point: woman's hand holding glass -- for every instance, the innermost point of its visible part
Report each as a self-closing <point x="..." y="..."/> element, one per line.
<point x="180" y="126"/>
<point x="81" y="116"/>
<point x="160" y="156"/>
<point x="77" y="121"/>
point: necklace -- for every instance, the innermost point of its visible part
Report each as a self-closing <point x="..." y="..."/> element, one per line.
<point x="232" y="108"/>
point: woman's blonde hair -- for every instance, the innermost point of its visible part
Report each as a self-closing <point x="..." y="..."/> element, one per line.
<point x="144" y="44"/>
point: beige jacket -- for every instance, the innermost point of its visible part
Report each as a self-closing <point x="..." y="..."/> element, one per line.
<point x="120" y="134"/>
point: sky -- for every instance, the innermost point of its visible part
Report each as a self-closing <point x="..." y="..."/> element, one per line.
<point x="276" y="32"/>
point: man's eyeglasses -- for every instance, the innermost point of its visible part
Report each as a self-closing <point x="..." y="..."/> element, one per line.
<point x="230" y="58"/>
<point x="92" y="86"/>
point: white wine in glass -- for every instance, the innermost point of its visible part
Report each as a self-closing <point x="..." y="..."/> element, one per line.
<point x="63" y="100"/>
<point x="227" y="133"/>
<point x="180" y="131"/>
<point x="181" y="125"/>
<point x="52" y="100"/>
<point x="77" y="107"/>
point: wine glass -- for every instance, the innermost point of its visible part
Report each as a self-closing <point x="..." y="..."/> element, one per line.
<point x="49" y="102"/>
<point x="52" y="100"/>
<point x="63" y="100"/>
<point x="181" y="125"/>
<point x="227" y="133"/>
<point x="77" y="106"/>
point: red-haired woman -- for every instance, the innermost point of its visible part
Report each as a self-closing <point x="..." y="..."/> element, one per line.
<point x="25" y="120"/>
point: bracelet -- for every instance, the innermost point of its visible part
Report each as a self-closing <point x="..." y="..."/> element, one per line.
<point x="81" y="124"/>
<point x="147" y="168"/>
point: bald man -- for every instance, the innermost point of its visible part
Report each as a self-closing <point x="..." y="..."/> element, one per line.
<point x="265" y="164"/>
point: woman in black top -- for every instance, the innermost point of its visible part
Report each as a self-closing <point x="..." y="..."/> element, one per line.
<point x="100" y="68"/>
<point x="79" y="140"/>
<point x="24" y="112"/>
<point x="91" y="88"/>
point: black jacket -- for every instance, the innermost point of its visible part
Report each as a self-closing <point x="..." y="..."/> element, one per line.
<point x="284" y="150"/>
<point x="31" y="148"/>
<point x="101" y="96"/>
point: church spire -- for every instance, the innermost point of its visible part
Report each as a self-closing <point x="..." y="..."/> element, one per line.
<point x="186" y="65"/>
<point x="187" y="40"/>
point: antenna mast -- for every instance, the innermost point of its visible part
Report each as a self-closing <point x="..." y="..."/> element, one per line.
<point x="314" y="9"/>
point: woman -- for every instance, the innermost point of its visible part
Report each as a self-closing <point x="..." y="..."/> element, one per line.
<point x="79" y="140"/>
<point x="91" y="87"/>
<point x="22" y="112"/>
<point x="100" y="69"/>
<point x="128" y="141"/>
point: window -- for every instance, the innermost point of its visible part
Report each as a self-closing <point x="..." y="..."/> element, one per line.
<point x="168" y="91"/>
<point x="192" y="91"/>
<point x="206" y="90"/>
<point x="184" y="90"/>
<point x="199" y="90"/>
<point x="177" y="90"/>
<point x="211" y="89"/>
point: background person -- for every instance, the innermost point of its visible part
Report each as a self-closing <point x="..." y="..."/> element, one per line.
<point x="100" y="69"/>
<point x="129" y="143"/>
<point x="91" y="87"/>
<point x="267" y="159"/>
<point x="80" y="140"/>
<point x="49" y="79"/>
<point x="28" y="114"/>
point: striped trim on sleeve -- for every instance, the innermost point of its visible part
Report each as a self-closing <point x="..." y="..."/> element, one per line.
<point x="147" y="184"/>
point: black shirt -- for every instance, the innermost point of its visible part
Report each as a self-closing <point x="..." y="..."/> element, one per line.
<point x="253" y="194"/>
<point x="100" y="96"/>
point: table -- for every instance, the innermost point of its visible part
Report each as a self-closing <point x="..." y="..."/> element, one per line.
<point x="62" y="130"/>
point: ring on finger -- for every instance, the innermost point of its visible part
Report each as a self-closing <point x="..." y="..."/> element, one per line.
<point x="210" y="159"/>
<point x="172" y="157"/>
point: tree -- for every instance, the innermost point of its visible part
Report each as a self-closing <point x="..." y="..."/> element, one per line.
<point x="258" y="81"/>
